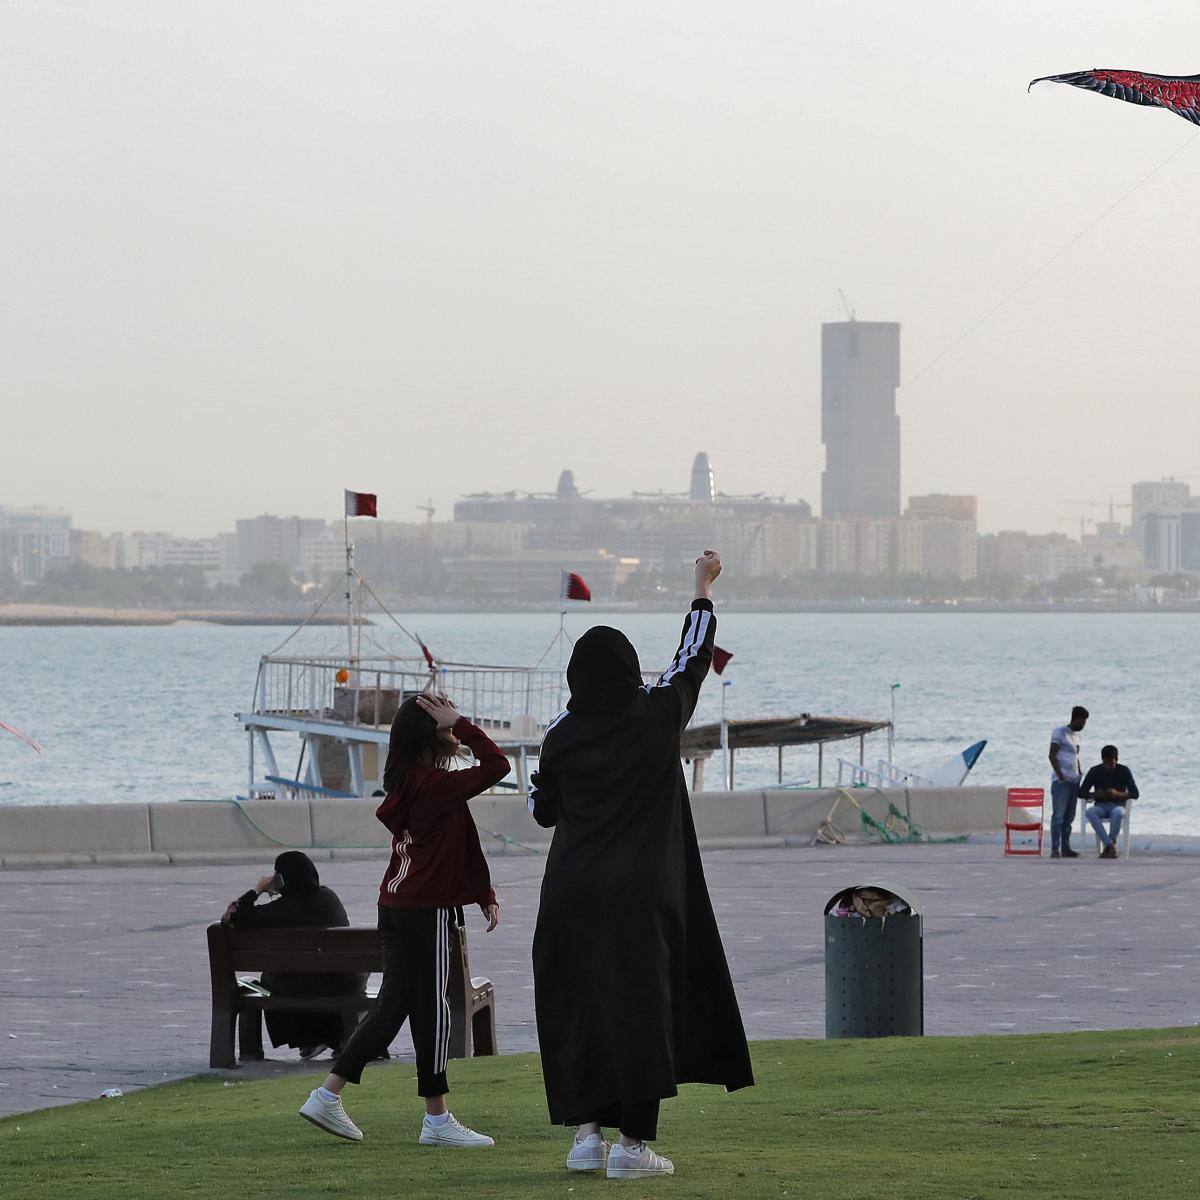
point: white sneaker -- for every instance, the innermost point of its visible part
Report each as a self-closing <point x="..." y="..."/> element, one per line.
<point x="451" y="1133"/>
<point x="587" y="1155"/>
<point x="634" y="1162"/>
<point x="330" y="1116"/>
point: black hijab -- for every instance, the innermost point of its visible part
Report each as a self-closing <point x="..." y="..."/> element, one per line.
<point x="604" y="674"/>
<point x="297" y="872"/>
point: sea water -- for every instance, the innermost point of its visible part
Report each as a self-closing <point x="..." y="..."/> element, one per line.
<point x="147" y="713"/>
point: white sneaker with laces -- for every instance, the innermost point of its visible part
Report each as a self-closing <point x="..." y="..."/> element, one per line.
<point x="636" y="1162"/>
<point x="330" y="1116"/>
<point x="452" y="1133"/>
<point x="587" y="1155"/>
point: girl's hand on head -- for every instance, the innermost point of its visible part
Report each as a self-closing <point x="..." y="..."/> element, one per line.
<point x="492" y="912"/>
<point x="440" y="709"/>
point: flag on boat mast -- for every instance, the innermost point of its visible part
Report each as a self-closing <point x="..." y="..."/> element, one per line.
<point x="360" y="504"/>
<point x="573" y="587"/>
<point x="721" y="659"/>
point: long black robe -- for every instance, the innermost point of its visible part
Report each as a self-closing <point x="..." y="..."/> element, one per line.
<point x="632" y="989"/>
<point x="303" y="903"/>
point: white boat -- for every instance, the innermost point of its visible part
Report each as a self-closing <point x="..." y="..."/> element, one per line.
<point x="951" y="773"/>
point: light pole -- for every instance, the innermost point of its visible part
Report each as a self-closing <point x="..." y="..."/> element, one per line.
<point x="724" y="736"/>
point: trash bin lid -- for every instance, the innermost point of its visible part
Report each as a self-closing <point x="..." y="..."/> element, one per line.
<point x="875" y="885"/>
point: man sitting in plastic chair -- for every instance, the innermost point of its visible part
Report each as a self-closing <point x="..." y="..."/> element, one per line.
<point x="1110" y="786"/>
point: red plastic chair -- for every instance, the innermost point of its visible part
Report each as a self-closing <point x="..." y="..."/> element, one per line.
<point x="1023" y="813"/>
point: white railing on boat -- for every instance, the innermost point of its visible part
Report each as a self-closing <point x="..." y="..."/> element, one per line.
<point x="519" y="701"/>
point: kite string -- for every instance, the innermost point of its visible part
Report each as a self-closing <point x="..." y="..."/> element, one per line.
<point x="1019" y="288"/>
<point x="1048" y="263"/>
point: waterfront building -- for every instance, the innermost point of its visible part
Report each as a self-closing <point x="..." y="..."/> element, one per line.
<point x="1171" y="539"/>
<point x="93" y="548"/>
<point x="1146" y="497"/>
<point x="272" y="539"/>
<point x="660" y="529"/>
<point x="1002" y="553"/>
<point x="1049" y="556"/>
<point x="33" y="541"/>
<point x="941" y="538"/>
<point x="857" y="546"/>
<point x="860" y="371"/>
<point x="393" y="552"/>
<point x="533" y="575"/>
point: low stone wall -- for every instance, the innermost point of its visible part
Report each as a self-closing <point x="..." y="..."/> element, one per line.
<point x="195" y="831"/>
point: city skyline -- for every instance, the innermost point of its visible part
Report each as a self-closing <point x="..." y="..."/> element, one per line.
<point x="429" y="249"/>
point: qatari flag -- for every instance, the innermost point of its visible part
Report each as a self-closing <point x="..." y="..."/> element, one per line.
<point x="573" y="587"/>
<point x="360" y="504"/>
<point x="721" y="659"/>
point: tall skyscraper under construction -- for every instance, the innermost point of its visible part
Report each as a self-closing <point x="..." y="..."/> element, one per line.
<point x="860" y="371"/>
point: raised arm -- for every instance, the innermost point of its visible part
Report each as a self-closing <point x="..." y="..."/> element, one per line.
<point x="679" y="684"/>
<point x="491" y="765"/>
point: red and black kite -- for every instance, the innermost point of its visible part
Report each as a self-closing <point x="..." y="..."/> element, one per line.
<point x="1179" y="94"/>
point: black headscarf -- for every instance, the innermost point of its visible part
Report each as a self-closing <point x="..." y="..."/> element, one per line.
<point x="297" y="872"/>
<point x="604" y="674"/>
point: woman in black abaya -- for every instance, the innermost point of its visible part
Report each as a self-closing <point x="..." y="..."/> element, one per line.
<point x="303" y="902"/>
<point x="632" y="989"/>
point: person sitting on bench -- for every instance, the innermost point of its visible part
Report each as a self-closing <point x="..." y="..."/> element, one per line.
<point x="303" y="902"/>
<point x="1110" y="785"/>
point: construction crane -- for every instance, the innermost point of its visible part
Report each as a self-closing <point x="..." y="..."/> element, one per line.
<point x="428" y="509"/>
<point x="846" y="305"/>
<point x="1110" y="504"/>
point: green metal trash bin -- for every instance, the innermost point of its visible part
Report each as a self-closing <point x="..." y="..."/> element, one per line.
<point x="874" y="967"/>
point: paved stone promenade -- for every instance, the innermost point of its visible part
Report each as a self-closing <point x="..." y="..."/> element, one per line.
<point x="104" y="971"/>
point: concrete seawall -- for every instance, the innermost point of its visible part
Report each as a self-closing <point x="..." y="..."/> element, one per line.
<point x="189" y="831"/>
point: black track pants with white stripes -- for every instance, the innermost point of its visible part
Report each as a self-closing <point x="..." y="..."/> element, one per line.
<point x="416" y="970"/>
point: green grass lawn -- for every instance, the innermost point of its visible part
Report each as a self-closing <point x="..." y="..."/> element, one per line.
<point x="1078" y="1115"/>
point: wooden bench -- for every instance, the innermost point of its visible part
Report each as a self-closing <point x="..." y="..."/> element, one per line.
<point x="353" y="949"/>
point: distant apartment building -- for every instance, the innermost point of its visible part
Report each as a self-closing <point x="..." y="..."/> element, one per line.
<point x="34" y="541"/>
<point x="935" y="537"/>
<point x="394" y="551"/>
<point x="1002" y="553"/>
<point x="272" y="539"/>
<point x="1171" y="539"/>
<point x="856" y="546"/>
<point x="941" y="534"/>
<point x="94" y="549"/>
<point x="533" y="575"/>
<point x="860" y="371"/>
<point x="1159" y="493"/>
<point x="790" y="547"/>
<point x="1050" y="556"/>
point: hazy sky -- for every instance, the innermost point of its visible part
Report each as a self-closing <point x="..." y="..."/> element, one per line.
<point x="251" y="253"/>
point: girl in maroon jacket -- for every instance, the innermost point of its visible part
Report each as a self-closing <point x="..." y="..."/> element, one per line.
<point x="437" y="866"/>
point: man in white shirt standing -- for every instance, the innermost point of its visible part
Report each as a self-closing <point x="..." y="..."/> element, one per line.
<point x="1065" y="744"/>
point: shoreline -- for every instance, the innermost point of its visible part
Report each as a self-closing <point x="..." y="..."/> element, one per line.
<point x="67" y="615"/>
<point x="75" y="615"/>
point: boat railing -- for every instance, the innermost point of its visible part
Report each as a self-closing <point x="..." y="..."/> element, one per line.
<point x="517" y="701"/>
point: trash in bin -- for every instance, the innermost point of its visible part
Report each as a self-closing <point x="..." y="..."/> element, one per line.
<point x="874" y="981"/>
<point x="868" y="902"/>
